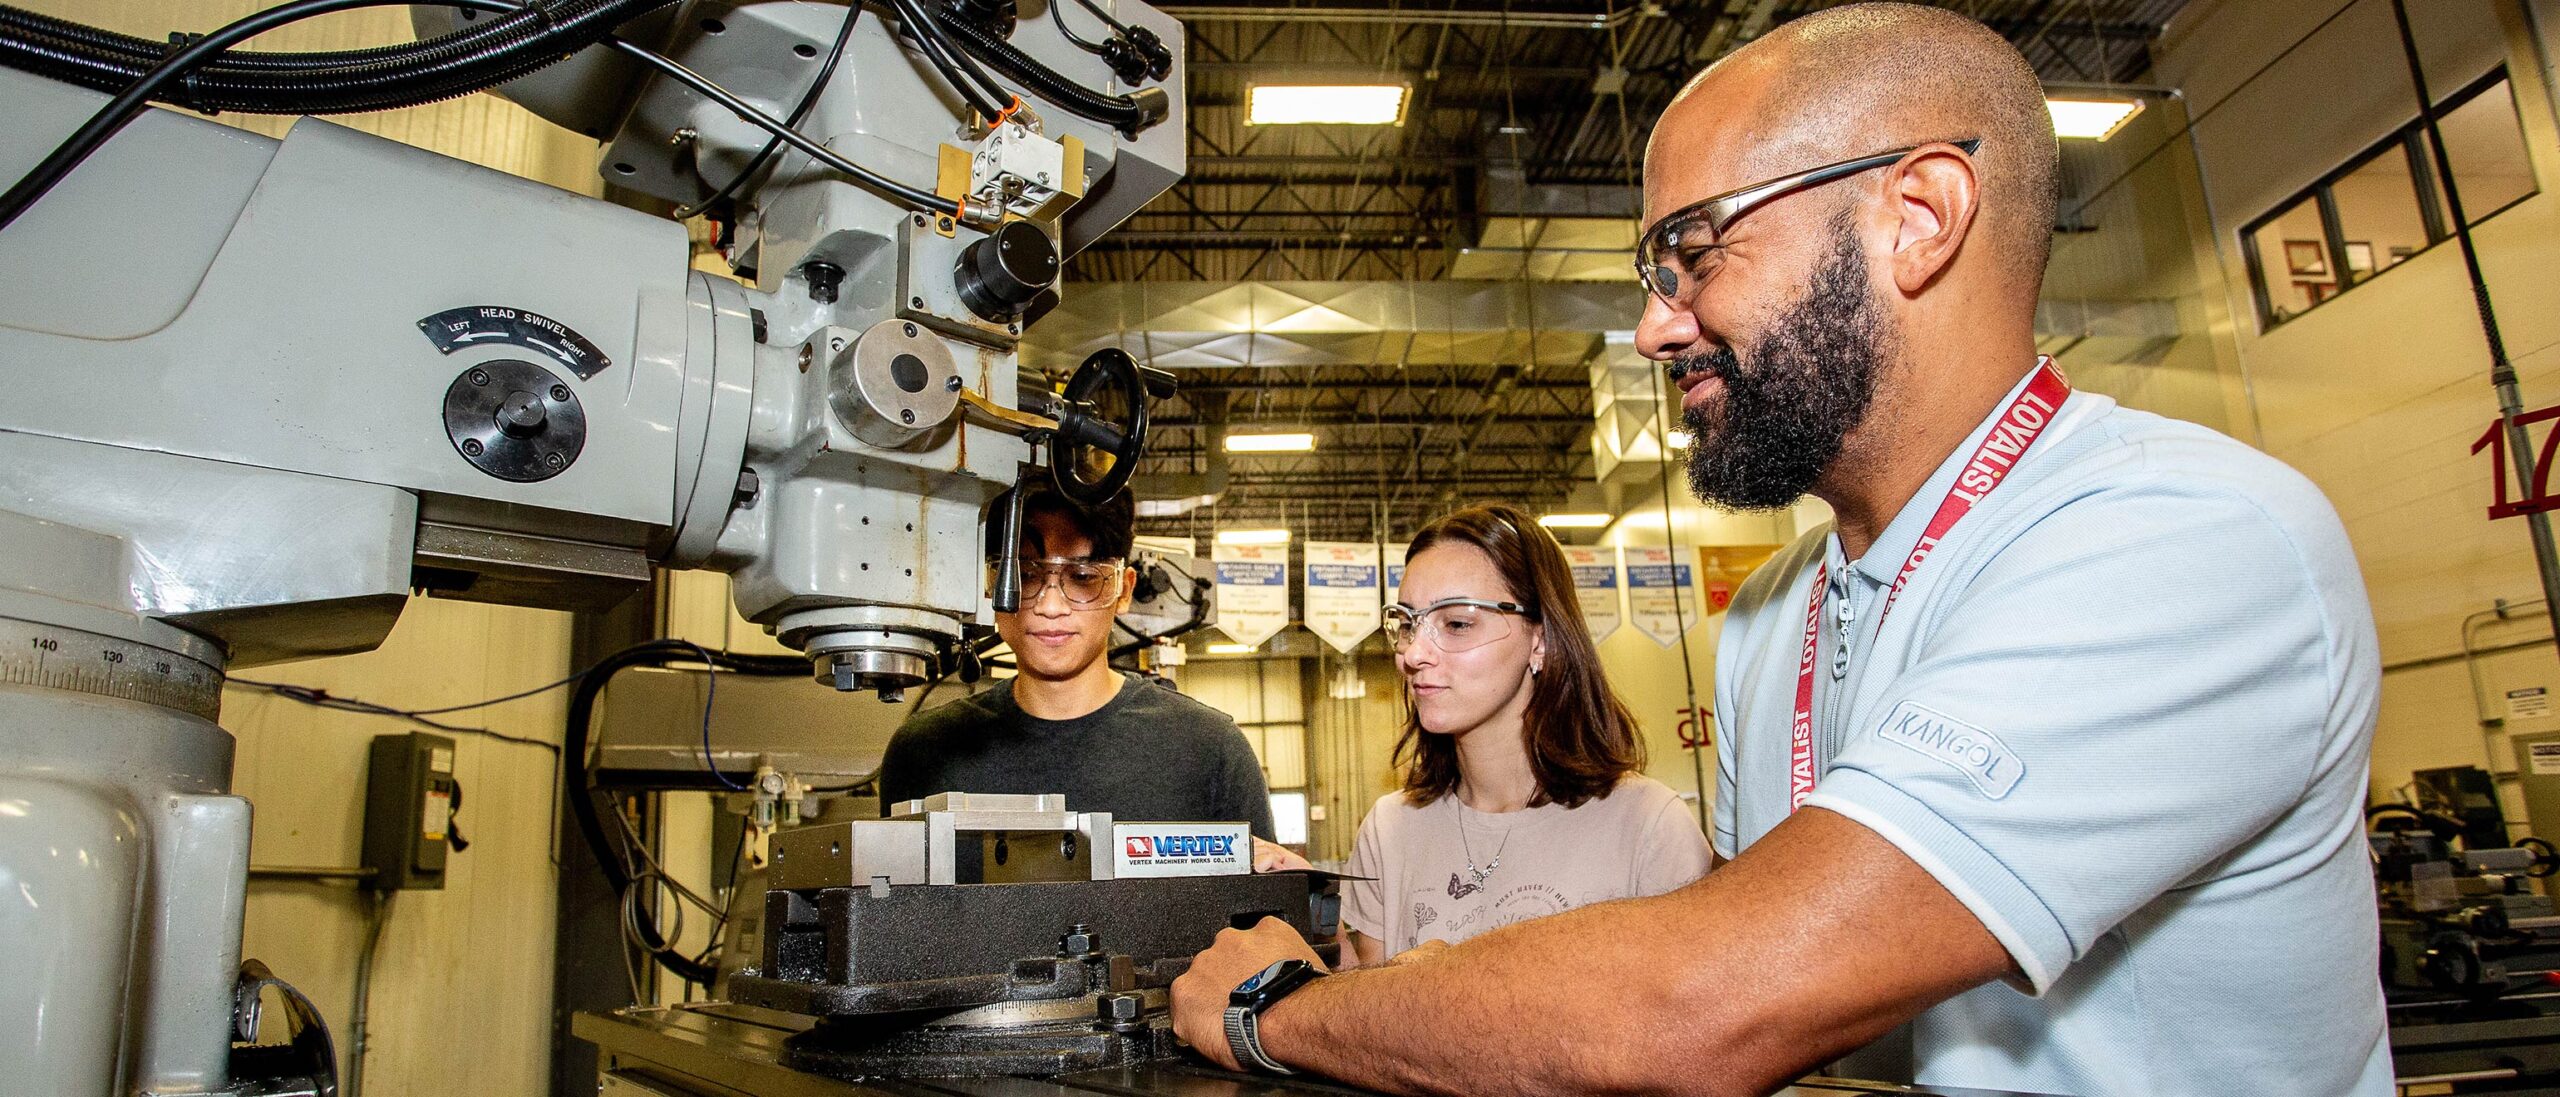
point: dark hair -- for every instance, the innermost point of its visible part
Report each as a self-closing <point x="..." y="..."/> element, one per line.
<point x="1112" y="526"/>
<point x="1581" y="738"/>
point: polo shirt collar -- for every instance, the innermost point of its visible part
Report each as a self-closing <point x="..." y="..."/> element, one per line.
<point x="1883" y="561"/>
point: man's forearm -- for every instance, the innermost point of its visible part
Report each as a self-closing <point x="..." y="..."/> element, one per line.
<point x="1422" y="1026"/>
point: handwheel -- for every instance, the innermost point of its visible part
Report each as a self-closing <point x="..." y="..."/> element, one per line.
<point x="1102" y="428"/>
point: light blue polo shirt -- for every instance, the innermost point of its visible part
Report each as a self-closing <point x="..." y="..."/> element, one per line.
<point x="2123" y="713"/>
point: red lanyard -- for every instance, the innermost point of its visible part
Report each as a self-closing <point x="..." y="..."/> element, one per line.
<point x="2016" y="429"/>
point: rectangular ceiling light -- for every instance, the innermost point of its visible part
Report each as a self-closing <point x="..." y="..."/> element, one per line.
<point x="1253" y="537"/>
<point x="1231" y="649"/>
<point x="1574" y="521"/>
<point x="2091" y="117"/>
<point x="1325" y="104"/>
<point x="1270" y="443"/>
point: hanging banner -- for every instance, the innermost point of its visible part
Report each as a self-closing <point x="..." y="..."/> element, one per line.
<point x="1395" y="578"/>
<point x="1341" y="592"/>
<point x="1253" y="591"/>
<point x="1660" y="596"/>
<point x="1595" y="584"/>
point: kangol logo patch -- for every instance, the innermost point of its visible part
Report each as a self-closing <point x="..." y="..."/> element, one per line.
<point x="1983" y="759"/>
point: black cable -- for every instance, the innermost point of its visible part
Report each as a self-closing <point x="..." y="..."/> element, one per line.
<point x="1058" y="15"/>
<point x="122" y="109"/>
<point x="1127" y="113"/>
<point x="579" y="741"/>
<point x="808" y="100"/>
<point x="914" y="197"/>
<point x="974" y="85"/>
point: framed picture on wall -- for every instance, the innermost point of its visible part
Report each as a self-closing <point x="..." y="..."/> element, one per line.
<point x="2306" y="258"/>
<point x="2359" y="257"/>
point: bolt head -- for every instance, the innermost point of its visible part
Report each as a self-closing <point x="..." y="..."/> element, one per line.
<point x="480" y="377"/>
<point x="554" y="461"/>
<point x="907" y="416"/>
<point x="951" y="383"/>
<point x="909" y="328"/>
<point x="915" y="302"/>
<point x="471" y="447"/>
<point x="560" y="393"/>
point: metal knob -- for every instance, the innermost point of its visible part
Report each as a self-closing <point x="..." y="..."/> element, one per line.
<point x="522" y="415"/>
<point x="1000" y="275"/>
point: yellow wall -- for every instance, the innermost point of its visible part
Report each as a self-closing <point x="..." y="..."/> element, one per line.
<point x="462" y="989"/>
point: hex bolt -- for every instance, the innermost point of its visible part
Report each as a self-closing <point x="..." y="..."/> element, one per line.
<point x="1120" y="1011"/>
<point x="560" y="394"/>
<point x="471" y="447"/>
<point x="823" y="277"/>
<point x="1079" y="940"/>
<point x="480" y="377"/>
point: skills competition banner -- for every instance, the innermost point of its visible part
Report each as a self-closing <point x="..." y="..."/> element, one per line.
<point x="1660" y="596"/>
<point x="1595" y="585"/>
<point x="1253" y="591"/>
<point x="1341" y="592"/>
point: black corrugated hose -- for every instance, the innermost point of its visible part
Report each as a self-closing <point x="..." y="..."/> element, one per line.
<point x="1126" y="113"/>
<point x="518" y="41"/>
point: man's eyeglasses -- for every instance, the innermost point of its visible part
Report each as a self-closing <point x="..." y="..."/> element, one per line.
<point x="1680" y="252"/>
<point x="1085" y="583"/>
<point x="1453" y="624"/>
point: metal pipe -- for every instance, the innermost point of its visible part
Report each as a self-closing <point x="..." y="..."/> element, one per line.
<point x="356" y="1038"/>
<point x="2502" y="372"/>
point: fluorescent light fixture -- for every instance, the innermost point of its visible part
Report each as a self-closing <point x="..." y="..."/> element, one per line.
<point x="1270" y="443"/>
<point x="2091" y="117"/>
<point x="1325" y="104"/>
<point x="1574" y="521"/>
<point x="1677" y="439"/>
<point x="1231" y="649"/>
<point x="1173" y="508"/>
<point x="1253" y="537"/>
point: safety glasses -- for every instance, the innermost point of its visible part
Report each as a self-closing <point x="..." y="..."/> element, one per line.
<point x="1679" y="253"/>
<point x="1453" y="624"/>
<point x="1084" y="583"/>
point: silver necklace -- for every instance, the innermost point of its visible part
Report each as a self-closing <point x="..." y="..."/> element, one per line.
<point x="1476" y="875"/>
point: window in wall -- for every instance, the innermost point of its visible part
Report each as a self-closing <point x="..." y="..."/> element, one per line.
<point x="2294" y="271"/>
<point x="2486" y="145"/>
<point x="2385" y="205"/>
<point x="2379" y="220"/>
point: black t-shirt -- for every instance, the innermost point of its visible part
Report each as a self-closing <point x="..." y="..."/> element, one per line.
<point x="1149" y="755"/>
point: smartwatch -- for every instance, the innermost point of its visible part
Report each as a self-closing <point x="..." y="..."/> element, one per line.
<point x="1246" y="1003"/>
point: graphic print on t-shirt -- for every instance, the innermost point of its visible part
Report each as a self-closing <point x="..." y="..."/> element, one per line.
<point x="1490" y="906"/>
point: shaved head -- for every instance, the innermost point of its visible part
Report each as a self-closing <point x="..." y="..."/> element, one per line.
<point x="1839" y="337"/>
<point x="1853" y="80"/>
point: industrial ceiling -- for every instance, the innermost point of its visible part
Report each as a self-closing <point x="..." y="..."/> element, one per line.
<point x="1433" y="300"/>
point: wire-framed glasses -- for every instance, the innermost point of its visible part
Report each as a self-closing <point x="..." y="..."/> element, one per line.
<point x="1679" y="253"/>
<point x="1453" y="624"/>
<point x="1083" y="582"/>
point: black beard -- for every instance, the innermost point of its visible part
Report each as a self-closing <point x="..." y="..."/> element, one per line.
<point x="1781" y="420"/>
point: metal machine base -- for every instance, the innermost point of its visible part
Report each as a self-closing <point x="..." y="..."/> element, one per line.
<point x="720" y="1050"/>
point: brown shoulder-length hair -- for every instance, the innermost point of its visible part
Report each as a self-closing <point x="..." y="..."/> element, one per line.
<point x="1581" y="737"/>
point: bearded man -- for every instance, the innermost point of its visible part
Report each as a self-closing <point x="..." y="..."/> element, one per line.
<point x="2045" y="760"/>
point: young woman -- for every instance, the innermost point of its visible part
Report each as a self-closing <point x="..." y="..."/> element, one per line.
<point x="1523" y="792"/>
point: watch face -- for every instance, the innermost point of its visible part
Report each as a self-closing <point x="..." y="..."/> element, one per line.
<point x="1265" y="977"/>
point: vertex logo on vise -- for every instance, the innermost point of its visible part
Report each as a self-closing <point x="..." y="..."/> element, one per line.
<point x="1182" y="849"/>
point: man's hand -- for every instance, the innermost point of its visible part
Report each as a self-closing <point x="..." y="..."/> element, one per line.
<point x="1274" y="857"/>
<point x="1200" y="995"/>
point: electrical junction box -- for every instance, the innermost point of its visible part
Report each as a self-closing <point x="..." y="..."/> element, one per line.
<point x="409" y="799"/>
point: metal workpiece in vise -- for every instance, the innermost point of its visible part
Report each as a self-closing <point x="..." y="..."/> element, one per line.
<point x="541" y="403"/>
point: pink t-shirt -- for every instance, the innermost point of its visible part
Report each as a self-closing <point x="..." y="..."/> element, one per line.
<point x="1640" y="839"/>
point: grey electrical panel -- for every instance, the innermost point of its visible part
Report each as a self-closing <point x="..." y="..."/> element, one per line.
<point x="409" y="799"/>
<point x="2538" y="774"/>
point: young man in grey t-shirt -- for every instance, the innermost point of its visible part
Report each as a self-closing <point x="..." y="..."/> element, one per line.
<point x="1067" y="723"/>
